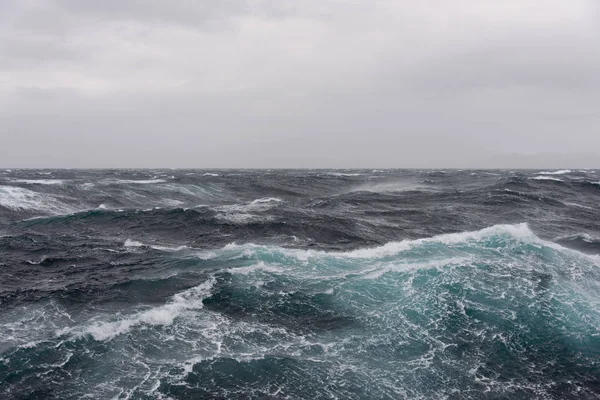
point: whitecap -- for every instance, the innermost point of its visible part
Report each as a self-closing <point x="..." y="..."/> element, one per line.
<point x="518" y="232"/>
<point x="241" y="214"/>
<point x="262" y="204"/>
<point x="266" y="200"/>
<point x="135" y="244"/>
<point x="169" y="248"/>
<point x="343" y="174"/>
<point x="87" y="186"/>
<point x="164" y="315"/>
<point x="19" y="199"/>
<point x="206" y="255"/>
<point x="546" y="178"/>
<point x="379" y="270"/>
<point x="559" y="172"/>
<point x="258" y="267"/>
<point x="40" y="181"/>
<point x="242" y="218"/>
<point x="586" y="237"/>
<point x="133" y="181"/>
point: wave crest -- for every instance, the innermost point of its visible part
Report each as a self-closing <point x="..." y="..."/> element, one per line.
<point x="518" y="233"/>
<point x="559" y="172"/>
<point x="180" y="303"/>
<point x="21" y="199"/>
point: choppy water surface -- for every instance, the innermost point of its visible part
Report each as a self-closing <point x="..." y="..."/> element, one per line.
<point x="361" y="284"/>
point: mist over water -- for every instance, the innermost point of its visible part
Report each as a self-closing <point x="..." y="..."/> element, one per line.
<point x="294" y="284"/>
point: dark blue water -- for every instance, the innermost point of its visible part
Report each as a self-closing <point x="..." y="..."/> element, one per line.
<point x="361" y="284"/>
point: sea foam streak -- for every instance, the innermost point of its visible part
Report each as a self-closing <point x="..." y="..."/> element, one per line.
<point x="135" y="244"/>
<point x="133" y="181"/>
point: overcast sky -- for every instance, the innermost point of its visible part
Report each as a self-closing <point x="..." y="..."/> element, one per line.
<point x="299" y="83"/>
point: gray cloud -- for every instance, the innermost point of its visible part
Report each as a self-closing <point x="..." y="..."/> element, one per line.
<point x="265" y="83"/>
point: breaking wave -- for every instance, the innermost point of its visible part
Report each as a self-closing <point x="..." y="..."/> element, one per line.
<point x="559" y="172"/>
<point x="299" y="284"/>
<point x="19" y="199"/>
<point x="546" y="178"/>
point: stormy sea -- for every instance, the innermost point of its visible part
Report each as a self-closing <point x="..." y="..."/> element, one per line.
<point x="299" y="284"/>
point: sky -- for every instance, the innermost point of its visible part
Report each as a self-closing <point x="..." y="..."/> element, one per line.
<point x="300" y="83"/>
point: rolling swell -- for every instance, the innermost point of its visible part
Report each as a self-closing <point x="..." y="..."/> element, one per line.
<point x="484" y="287"/>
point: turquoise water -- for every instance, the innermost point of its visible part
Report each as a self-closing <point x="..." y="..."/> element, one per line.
<point x="495" y="313"/>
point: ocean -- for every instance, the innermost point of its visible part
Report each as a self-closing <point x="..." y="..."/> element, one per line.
<point x="299" y="284"/>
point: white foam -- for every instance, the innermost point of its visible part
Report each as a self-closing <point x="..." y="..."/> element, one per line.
<point x="258" y="267"/>
<point x="266" y="200"/>
<point x="546" y="178"/>
<point x="390" y="187"/>
<point x="559" y="172"/>
<point x="342" y="174"/>
<point x="242" y="213"/>
<point x="262" y="204"/>
<point x="586" y="237"/>
<point x="18" y="199"/>
<point x="133" y="181"/>
<point x="135" y="244"/>
<point x="241" y="218"/>
<point x="206" y="255"/>
<point x="514" y="191"/>
<point x="210" y="174"/>
<point x="578" y="205"/>
<point x="169" y="248"/>
<point x="386" y="257"/>
<point x="172" y="202"/>
<point x="40" y="181"/>
<point x="519" y="232"/>
<point x="381" y="270"/>
<point x="179" y="304"/>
